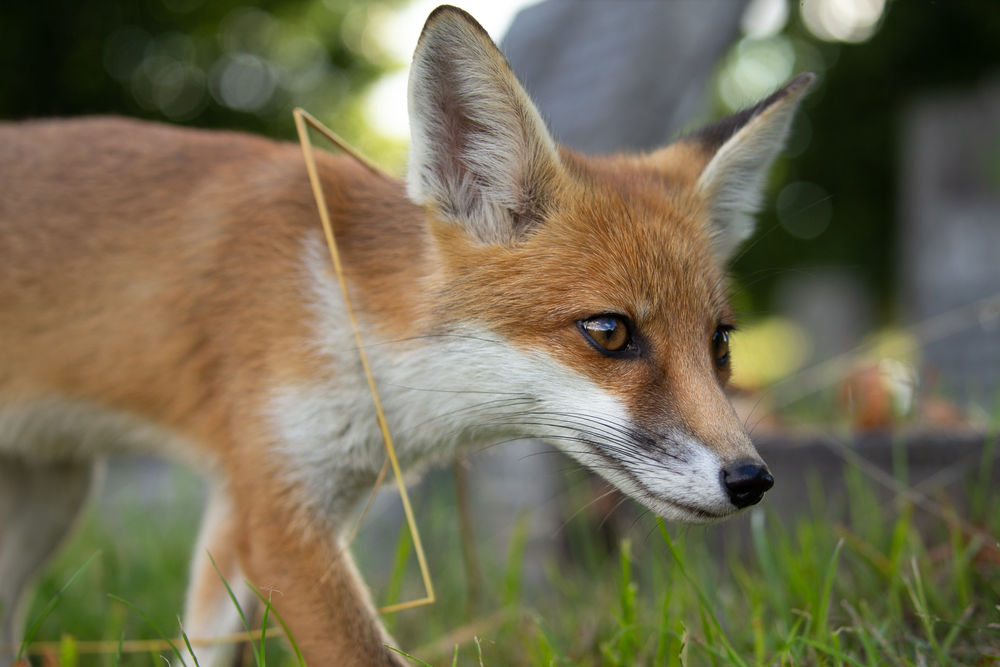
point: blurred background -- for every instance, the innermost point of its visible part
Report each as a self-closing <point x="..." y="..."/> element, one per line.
<point x="869" y="297"/>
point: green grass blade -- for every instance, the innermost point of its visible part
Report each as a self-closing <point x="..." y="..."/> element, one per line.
<point x="118" y="651"/>
<point x="549" y="652"/>
<point x="289" y="637"/>
<point x="956" y="628"/>
<point x="708" y="628"/>
<point x="32" y="631"/>
<point x="668" y="645"/>
<point x="918" y="596"/>
<point x="515" y="560"/>
<point x="628" y="641"/>
<point x="861" y="631"/>
<point x="236" y="603"/>
<point x="187" y="643"/>
<point x="820" y="632"/>
<point x="790" y="640"/>
<point x="263" y="630"/>
<point x="832" y="651"/>
<point x="901" y="533"/>
<point x="151" y="624"/>
<point x="479" y="651"/>
<point x="394" y="589"/>
<point x="706" y="604"/>
<point x="982" y="488"/>
<point x="407" y="655"/>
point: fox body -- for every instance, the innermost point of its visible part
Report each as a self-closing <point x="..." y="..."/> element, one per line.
<point x="168" y="291"/>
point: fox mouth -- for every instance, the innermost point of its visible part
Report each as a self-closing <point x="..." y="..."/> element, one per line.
<point x="666" y="507"/>
<point x="668" y="473"/>
<point x="702" y="515"/>
<point x="656" y="502"/>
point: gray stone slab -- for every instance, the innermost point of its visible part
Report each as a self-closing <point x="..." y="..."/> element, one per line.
<point x="950" y="233"/>
<point x="625" y="75"/>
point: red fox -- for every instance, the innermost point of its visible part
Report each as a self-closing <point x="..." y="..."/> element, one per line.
<point x="168" y="291"/>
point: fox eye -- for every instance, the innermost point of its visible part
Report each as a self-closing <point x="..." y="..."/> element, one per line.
<point x="720" y="346"/>
<point x="608" y="333"/>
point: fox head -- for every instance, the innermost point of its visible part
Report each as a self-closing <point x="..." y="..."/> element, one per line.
<point x="601" y="279"/>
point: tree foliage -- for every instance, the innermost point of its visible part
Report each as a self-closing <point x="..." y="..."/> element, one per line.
<point x="223" y="63"/>
<point x="854" y="126"/>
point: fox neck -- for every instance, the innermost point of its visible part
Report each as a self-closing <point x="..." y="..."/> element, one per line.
<point x="443" y="385"/>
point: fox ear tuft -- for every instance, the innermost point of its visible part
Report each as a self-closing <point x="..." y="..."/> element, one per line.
<point x="743" y="148"/>
<point x="480" y="155"/>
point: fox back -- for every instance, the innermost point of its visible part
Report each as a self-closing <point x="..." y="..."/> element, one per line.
<point x="168" y="291"/>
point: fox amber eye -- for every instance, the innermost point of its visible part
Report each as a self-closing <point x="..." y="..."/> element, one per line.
<point x="720" y="346"/>
<point x="608" y="333"/>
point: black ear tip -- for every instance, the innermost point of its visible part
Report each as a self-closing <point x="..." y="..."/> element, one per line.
<point x="800" y="83"/>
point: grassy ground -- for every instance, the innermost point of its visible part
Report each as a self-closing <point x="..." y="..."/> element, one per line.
<point x="867" y="583"/>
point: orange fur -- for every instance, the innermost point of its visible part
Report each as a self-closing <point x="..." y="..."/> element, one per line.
<point x="158" y="292"/>
<point x="181" y="315"/>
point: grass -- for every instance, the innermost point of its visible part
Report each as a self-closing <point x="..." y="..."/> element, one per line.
<point x="863" y="582"/>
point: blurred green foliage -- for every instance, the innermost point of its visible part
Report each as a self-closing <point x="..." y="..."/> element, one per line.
<point x="853" y="128"/>
<point x="219" y="63"/>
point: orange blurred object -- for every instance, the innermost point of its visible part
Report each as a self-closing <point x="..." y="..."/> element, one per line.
<point x="865" y="396"/>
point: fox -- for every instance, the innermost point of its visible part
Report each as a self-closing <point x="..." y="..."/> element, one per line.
<point x="167" y="291"/>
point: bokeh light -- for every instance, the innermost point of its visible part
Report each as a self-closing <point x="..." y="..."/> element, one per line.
<point x="767" y="351"/>
<point x="764" y="18"/>
<point x="754" y="69"/>
<point x="842" y="20"/>
<point x="804" y="209"/>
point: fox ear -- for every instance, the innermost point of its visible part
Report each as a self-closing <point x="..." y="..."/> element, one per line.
<point x="480" y="155"/>
<point x="742" y="148"/>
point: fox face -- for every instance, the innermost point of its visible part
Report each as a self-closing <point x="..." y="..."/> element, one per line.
<point x="601" y="279"/>
<point x="620" y="290"/>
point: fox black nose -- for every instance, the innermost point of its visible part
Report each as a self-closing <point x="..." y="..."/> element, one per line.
<point x="746" y="483"/>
